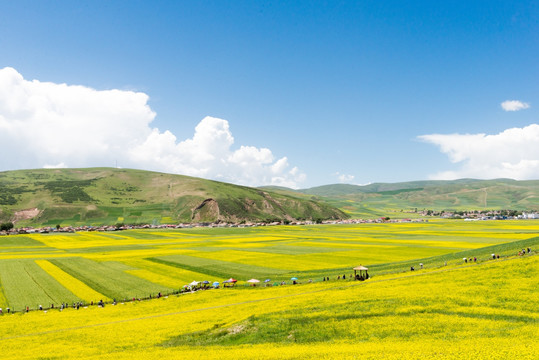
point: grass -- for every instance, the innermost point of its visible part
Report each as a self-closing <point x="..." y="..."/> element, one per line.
<point x="18" y="241"/>
<point x="24" y="283"/>
<point x="459" y="313"/>
<point x="142" y="262"/>
<point x="217" y="268"/>
<point x="100" y="196"/>
<point x="77" y="287"/>
<point x="454" y="311"/>
<point x="108" y="278"/>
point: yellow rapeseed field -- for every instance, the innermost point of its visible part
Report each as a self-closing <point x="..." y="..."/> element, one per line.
<point x="480" y="311"/>
<point x="483" y="310"/>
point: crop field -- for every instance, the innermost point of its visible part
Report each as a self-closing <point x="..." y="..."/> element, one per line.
<point x="46" y="269"/>
<point x="461" y="312"/>
<point x="448" y="310"/>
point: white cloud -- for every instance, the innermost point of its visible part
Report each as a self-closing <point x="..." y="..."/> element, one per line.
<point x="45" y="123"/>
<point x="344" y="178"/>
<point x="513" y="153"/>
<point x="514" y="105"/>
<point x="57" y="166"/>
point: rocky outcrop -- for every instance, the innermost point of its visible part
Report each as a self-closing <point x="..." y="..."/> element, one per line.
<point x="208" y="210"/>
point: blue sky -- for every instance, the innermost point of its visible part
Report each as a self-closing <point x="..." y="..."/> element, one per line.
<point x="294" y="93"/>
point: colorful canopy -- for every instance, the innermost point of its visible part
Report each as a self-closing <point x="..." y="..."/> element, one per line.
<point x="253" y="281"/>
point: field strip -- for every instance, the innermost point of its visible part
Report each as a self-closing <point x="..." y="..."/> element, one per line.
<point x="77" y="287"/>
<point x="39" y="285"/>
<point x="249" y="301"/>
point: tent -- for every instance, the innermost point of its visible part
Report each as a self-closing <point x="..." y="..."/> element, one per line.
<point x="230" y="282"/>
<point x="361" y="276"/>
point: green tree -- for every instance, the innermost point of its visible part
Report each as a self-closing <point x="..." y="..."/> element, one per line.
<point x="6" y="226"/>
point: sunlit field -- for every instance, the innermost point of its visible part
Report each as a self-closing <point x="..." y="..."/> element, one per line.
<point x="449" y="309"/>
<point x="46" y="269"/>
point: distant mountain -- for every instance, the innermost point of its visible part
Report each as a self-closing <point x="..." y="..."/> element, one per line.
<point x="109" y="196"/>
<point x="378" y="199"/>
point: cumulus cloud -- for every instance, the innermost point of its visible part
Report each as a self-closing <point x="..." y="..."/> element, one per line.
<point x="53" y="125"/>
<point x="344" y="178"/>
<point x="514" y="105"/>
<point x="513" y="153"/>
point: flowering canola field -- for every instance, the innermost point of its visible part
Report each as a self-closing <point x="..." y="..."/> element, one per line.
<point x="487" y="309"/>
<point x="92" y="266"/>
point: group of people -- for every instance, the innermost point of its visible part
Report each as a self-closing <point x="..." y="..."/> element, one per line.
<point x="357" y="277"/>
<point x="528" y="250"/>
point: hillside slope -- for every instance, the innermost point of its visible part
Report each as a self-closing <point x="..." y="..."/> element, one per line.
<point x="109" y="196"/>
<point x="377" y="199"/>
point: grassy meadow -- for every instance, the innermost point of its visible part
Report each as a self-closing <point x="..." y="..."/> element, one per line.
<point x="486" y="309"/>
<point x="98" y="196"/>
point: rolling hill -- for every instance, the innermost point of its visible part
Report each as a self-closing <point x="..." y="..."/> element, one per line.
<point x="378" y="199"/>
<point x="108" y="196"/>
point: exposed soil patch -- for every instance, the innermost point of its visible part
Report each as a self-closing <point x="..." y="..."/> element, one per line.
<point x="208" y="210"/>
<point x="25" y="214"/>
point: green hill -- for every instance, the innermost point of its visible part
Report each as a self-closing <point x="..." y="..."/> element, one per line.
<point x="109" y="196"/>
<point x="378" y="199"/>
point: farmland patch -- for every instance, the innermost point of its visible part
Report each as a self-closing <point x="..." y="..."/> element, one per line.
<point x="108" y="278"/>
